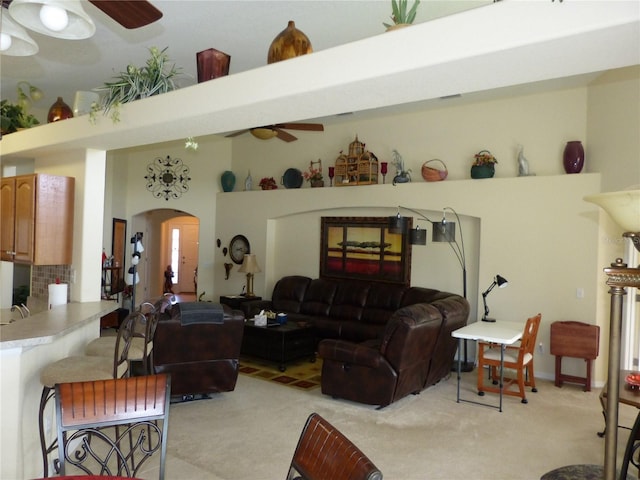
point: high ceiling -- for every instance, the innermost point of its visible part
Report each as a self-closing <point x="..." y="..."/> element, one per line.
<point x="242" y="29"/>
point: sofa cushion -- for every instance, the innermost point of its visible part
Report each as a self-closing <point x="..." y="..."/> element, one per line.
<point x="382" y="301"/>
<point x="350" y="299"/>
<point x="319" y="297"/>
<point x="289" y="293"/>
<point x="415" y="295"/>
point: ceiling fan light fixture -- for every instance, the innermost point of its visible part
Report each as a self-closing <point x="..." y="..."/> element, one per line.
<point x="263" y="133"/>
<point x="56" y="18"/>
<point x="14" y="40"/>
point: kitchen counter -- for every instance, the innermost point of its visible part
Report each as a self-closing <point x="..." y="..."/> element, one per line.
<point x="45" y="327"/>
<point x="26" y="346"/>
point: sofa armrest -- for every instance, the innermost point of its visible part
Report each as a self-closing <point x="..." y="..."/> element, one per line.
<point x="251" y="308"/>
<point x="349" y="352"/>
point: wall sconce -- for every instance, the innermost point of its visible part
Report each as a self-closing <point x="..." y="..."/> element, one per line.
<point x="249" y="266"/>
<point x="501" y="282"/>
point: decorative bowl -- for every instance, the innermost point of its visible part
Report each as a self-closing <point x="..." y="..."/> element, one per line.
<point x="633" y="380"/>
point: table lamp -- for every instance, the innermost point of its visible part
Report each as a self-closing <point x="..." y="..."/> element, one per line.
<point x="501" y="282"/>
<point x="249" y="266"/>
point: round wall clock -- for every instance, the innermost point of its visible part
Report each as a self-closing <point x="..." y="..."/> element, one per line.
<point x="238" y="246"/>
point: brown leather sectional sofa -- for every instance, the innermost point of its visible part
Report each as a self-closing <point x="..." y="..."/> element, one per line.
<point x="378" y="342"/>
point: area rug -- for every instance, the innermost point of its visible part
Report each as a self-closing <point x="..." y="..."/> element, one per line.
<point x="303" y="374"/>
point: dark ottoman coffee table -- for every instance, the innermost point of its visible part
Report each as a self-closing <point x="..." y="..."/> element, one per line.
<point x="279" y="343"/>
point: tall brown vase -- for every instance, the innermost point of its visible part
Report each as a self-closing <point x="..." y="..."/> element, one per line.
<point x="59" y="111"/>
<point x="573" y="157"/>
<point x="289" y="43"/>
<point x="212" y="64"/>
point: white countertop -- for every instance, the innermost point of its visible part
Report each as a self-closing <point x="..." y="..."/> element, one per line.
<point x="42" y="328"/>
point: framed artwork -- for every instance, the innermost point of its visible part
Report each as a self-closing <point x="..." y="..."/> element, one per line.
<point x="363" y="248"/>
<point x="118" y="250"/>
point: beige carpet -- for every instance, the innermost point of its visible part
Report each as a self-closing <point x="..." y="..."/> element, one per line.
<point x="251" y="433"/>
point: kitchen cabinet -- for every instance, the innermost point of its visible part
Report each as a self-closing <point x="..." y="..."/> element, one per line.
<point x="36" y="216"/>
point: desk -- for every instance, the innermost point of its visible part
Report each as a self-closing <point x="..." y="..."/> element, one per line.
<point x="502" y="333"/>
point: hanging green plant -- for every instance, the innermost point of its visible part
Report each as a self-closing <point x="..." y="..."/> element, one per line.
<point x="155" y="77"/>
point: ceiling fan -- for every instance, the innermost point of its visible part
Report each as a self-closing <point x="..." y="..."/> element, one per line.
<point x="277" y="130"/>
<point x="64" y="19"/>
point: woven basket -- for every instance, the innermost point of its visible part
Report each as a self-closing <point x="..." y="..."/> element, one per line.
<point x="431" y="174"/>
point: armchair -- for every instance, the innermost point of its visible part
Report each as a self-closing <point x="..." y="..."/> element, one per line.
<point x="379" y="372"/>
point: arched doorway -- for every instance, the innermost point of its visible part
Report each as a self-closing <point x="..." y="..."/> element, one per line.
<point x="170" y="237"/>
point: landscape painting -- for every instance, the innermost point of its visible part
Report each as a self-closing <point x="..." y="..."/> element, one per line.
<point x="364" y="248"/>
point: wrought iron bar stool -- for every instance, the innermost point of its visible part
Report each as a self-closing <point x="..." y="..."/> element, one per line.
<point x="82" y="368"/>
<point x="141" y="349"/>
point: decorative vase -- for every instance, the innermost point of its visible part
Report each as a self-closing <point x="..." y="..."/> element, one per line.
<point x="59" y="111"/>
<point x="573" y="157"/>
<point x="317" y="183"/>
<point x="289" y="43"/>
<point x="482" y="171"/>
<point x="228" y="181"/>
<point x="212" y="63"/>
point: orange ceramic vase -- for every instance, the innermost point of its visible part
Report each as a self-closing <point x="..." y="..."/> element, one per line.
<point x="289" y="43"/>
<point x="59" y="111"/>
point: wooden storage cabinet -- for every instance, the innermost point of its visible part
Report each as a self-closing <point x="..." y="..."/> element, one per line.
<point x="37" y="219"/>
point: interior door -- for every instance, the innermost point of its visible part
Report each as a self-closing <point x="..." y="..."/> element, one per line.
<point x="184" y="255"/>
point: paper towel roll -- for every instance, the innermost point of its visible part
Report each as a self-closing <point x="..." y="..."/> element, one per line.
<point x="57" y="294"/>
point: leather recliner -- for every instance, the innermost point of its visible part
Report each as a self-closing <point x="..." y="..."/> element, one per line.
<point x="379" y="372"/>
<point x="202" y="358"/>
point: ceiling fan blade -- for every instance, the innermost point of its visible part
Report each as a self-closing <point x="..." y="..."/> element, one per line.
<point x="129" y="13"/>
<point x="282" y="135"/>
<point x="314" y="127"/>
<point x="235" y="134"/>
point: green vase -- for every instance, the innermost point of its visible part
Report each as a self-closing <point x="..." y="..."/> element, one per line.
<point x="228" y="181"/>
<point x="482" y="171"/>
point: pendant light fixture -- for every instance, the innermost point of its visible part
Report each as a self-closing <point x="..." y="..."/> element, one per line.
<point x="14" y="40"/>
<point x="56" y="18"/>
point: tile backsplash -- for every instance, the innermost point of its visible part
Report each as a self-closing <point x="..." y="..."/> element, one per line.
<point x="43" y="275"/>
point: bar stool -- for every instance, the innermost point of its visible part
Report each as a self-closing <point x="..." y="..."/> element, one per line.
<point x="141" y="349"/>
<point x="82" y="368"/>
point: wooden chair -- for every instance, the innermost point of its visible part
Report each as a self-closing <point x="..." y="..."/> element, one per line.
<point x="82" y="368"/>
<point x="324" y="453"/>
<point x="518" y="358"/>
<point x="112" y="427"/>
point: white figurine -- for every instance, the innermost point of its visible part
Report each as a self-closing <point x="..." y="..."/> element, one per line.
<point x="523" y="163"/>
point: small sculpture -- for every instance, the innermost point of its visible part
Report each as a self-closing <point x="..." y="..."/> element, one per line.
<point x="523" y="163"/>
<point x="402" y="175"/>
<point x="227" y="269"/>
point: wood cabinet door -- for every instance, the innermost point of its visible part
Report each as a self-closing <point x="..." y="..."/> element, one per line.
<point x="7" y="218"/>
<point x="25" y="198"/>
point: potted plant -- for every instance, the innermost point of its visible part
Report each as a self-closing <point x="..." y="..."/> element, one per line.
<point x="13" y="117"/>
<point x="314" y="176"/>
<point x="483" y="165"/>
<point x="154" y="78"/>
<point x="268" y="183"/>
<point x="402" y="15"/>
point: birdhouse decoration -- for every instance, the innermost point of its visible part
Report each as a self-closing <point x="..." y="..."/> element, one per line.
<point x="359" y="167"/>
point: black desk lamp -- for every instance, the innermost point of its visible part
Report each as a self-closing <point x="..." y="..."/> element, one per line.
<point x="501" y="282"/>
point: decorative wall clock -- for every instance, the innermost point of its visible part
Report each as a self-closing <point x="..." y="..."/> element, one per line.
<point x="238" y="246"/>
<point x="167" y="178"/>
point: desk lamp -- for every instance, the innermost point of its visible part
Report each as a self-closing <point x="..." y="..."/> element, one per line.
<point x="249" y="266"/>
<point x="501" y="282"/>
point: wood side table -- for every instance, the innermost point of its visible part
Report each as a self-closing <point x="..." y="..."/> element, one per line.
<point x="234" y="301"/>
<point x="577" y="340"/>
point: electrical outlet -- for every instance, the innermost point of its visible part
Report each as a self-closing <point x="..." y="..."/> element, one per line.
<point x="580" y="292"/>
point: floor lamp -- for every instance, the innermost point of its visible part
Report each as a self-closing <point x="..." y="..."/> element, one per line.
<point x="624" y="208"/>
<point x="442" y="231"/>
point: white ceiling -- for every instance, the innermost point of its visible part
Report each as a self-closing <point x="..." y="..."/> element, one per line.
<point x="243" y="29"/>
